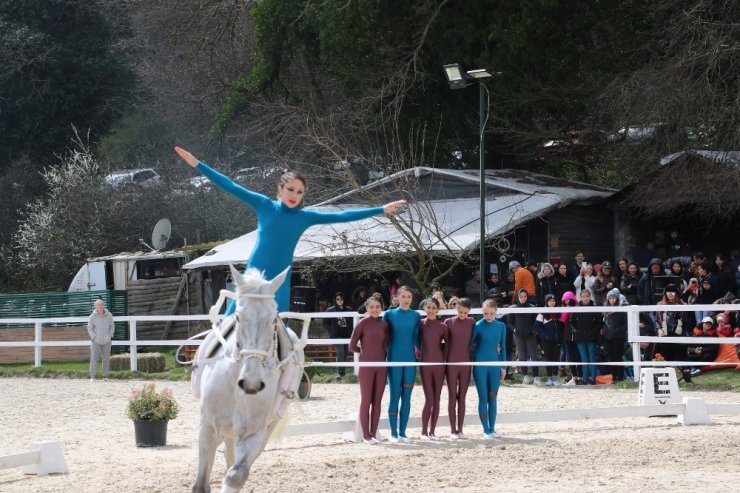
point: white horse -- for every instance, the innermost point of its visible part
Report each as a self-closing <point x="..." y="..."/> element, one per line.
<point x="245" y="380"/>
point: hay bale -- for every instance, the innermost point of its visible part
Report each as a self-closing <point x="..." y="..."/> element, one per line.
<point x="146" y="362"/>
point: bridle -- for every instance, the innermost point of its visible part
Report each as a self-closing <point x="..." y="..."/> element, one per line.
<point x="245" y="354"/>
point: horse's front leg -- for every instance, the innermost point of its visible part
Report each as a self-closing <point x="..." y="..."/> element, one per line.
<point x="229" y="451"/>
<point x="207" y="443"/>
<point x="246" y="451"/>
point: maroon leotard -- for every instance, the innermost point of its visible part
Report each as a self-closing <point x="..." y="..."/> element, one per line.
<point x="458" y="377"/>
<point x="372" y="335"/>
<point x="432" y="334"/>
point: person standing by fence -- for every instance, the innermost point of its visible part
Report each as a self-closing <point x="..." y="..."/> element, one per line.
<point x="370" y="340"/>
<point x="100" y="327"/>
<point x="403" y="342"/>
<point x="339" y="328"/>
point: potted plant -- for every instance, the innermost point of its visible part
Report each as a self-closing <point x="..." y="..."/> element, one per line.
<point x="151" y="410"/>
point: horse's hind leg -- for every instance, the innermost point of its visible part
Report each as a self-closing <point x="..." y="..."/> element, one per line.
<point x="207" y="442"/>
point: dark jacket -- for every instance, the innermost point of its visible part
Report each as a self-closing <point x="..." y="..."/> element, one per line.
<point x="629" y="288"/>
<point x="546" y="285"/>
<point x="646" y="291"/>
<point x="522" y="324"/>
<point x="615" y="325"/>
<point x="339" y="328"/>
<point x="585" y="327"/>
<point x="550" y="330"/>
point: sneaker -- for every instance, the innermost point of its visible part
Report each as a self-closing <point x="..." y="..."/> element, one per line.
<point x="525" y="380"/>
<point x="455" y="436"/>
<point x="393" y="439"/>
<point x="537" y="381"/>
<point x="695" y="372"/>
<point x="432" y="436"/>
<point x="570" y="383"/>
<point x="555" y="382"/>
<point x="493" y="434"/>
<point x="461" y="436"/>
<point x="404" y="439"/>
<point x="549" y="382"/>
<point x="370" y="441"/>
<point x="425" y="437"/>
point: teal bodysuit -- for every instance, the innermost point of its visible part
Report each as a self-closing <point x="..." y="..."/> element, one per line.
<point x="488" y="338"/>
<point x="278" y="229"/>
<point x="402" y="342"/>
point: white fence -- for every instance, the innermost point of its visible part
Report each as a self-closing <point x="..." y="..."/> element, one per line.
<point x="633" y="331"/>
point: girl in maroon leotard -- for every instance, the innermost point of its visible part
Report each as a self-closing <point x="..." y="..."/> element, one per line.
<point x="432" y="334"/>
<point x="460" y="328"/>
<point x="370" y="339"/>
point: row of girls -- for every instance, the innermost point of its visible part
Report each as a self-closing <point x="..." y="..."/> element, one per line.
<point x="402" y="337"/>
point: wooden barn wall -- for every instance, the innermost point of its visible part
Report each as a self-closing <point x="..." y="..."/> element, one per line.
<point x="25" y="354"/>
<point x="588" y="228"/>
<point x="160" y="297"/>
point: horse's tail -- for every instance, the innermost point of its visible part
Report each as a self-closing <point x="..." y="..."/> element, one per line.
<point x="278" y="433"/>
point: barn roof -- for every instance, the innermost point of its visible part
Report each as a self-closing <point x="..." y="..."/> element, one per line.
<point x="443" y="213"/>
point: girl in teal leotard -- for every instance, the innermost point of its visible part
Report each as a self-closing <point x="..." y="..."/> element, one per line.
<point x="403" y="343"/>
<point x="489" y="341"/>
<point x="280" y="223"/>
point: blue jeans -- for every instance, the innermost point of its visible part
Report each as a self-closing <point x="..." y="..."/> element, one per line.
<point x="588" y="355"/>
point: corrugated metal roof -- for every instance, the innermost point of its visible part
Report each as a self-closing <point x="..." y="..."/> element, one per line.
<point x="440" y="225"/>
<point x="728" y="158"/>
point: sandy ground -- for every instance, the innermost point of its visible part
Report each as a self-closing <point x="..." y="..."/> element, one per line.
<point x="607" y="455"/>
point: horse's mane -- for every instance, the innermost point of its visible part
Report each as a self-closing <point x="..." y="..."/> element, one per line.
<point x="253" y="280"/>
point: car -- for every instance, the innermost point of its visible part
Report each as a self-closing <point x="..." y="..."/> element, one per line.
<point x="145" y="177"/>
<point x="200" y="183"/>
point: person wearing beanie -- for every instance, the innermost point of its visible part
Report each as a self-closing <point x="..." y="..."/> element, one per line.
<point x="673" y="324"/>
<point x="615" y="333"/>
<point x="605" y="281"/>
<point x="723" y="328"/>
<point x="523" y="279"/>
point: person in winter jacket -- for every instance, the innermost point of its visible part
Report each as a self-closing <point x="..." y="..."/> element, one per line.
<point x="100" y="328"/>
<point x="673" y="324"/>
<point x="522" y="325"/>
<point x="563" y="281"/>
<point x="549" y="329"/>
<point x="523" y="279"/>
<point x="604" y="282"/>
<point x="699" y="352"/>
<point x="630" y="284"/>
<point x="615" y="333"/>
<point x="545" y="283"/>
<point x="646" y="289"/>
<point x="585" y="281"/>
<point x="585" y="329"/>
<point x="569" y="344"/>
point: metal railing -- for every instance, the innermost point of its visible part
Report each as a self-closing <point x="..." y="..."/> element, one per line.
<point x="633" y="331"/>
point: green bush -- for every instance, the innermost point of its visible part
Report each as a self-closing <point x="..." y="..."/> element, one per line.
<point x="149" y="405"/>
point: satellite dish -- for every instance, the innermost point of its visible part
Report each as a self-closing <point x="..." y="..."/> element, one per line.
<point x="161" y="234"/>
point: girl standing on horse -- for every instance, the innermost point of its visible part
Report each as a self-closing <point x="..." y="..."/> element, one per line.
<point x="281" y="222"/>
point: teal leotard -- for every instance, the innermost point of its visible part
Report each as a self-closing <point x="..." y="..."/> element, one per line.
<point x="403" y="339"/>
<point x="278" y="229"/>
<point x="488" y="338"/>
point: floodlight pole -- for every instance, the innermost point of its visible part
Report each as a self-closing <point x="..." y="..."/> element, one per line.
<point x="482" y="150"/>
<point x="458" y="78"/>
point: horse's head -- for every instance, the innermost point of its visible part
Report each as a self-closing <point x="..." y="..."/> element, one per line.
<point x="256" y="314"/>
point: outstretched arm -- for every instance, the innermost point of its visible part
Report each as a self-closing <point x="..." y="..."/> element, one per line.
<point x="320" y="217"/>
<point x="249" y="197"/>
